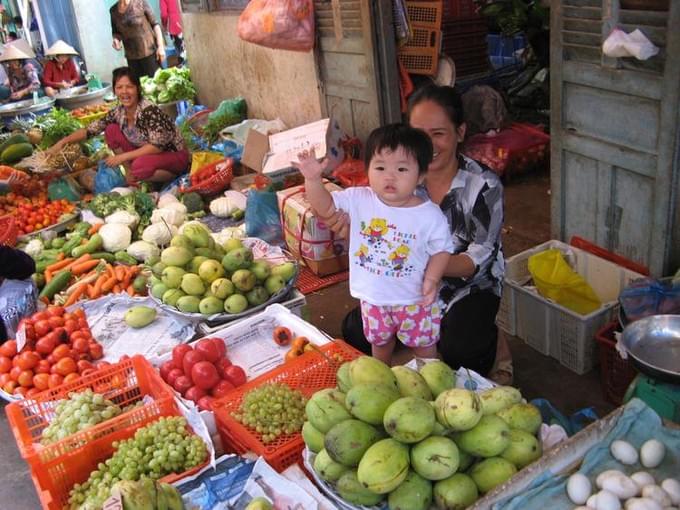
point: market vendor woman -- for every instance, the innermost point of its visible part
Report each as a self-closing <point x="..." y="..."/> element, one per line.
<point x="143" y="138"/>
<point x="22" y="75"/>
<point x="60" y="73"/>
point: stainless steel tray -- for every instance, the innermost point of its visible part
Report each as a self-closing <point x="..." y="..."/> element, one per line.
<point x="25" y="107"/>
<point x="77" y="97"/>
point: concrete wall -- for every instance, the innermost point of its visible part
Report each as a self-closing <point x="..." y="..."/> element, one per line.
<point x="94" y="30"/>
<point x="275" y="83"/>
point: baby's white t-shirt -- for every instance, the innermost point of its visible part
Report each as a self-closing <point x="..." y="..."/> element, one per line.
<point x="389" y="247"/>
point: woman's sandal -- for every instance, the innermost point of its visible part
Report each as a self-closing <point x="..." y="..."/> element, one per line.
<point x="502" y="373"/>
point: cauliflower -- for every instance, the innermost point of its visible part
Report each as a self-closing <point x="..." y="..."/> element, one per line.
<point x="166" y="199"/>
<point x="229" y="233"/>
<point x="126" y="218"/>
<point x="177" y="206"/>
<point x="116" y="237"/>
<point x="159" y="234"/>
<point x="143" y="250"/>
<point x="34" y="247"/>
<point x="171" y="216"/>
<point x="122" y="191"/>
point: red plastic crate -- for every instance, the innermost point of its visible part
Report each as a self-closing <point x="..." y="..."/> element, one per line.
<point x="123" y="383"/>
<point x="616" y="374"/>
<point x="309" y="373"/>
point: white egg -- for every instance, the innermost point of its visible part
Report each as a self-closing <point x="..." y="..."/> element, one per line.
<point x="642" y="478"/>
<point x="592" y="501"/>
<point x="579" y="488"/>
<point x="624" y="452"/>
<point x="672" y="487"/>
<point x="657" y="494"/>
<point x="621" y="486"/>
<point x="607" y="501"/>
<point x="642" y="504"/>
<point x="652" y="453"/>
<point x="606" y="474"/>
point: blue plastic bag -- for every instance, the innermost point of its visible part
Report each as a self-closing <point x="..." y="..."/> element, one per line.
<point x="577" y="421"/>
<point x="107" y="178"/>
<point x="262" y="217"/>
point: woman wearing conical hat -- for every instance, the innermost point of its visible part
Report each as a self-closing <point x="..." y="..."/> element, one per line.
<point x="60" y="71"/>
<point x="22" y="75"/>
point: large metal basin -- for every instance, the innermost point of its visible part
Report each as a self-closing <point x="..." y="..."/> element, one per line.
<point x="654" y="345"/>
<point x="25" y="109"/>
<point x="78" y="97"/>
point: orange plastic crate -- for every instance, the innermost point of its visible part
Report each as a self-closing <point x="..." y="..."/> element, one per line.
<point x="124" y="383"/>
<point x="308" y="374"/>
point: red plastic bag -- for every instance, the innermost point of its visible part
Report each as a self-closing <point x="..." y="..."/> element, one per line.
<point x="352" y="171"/>
<point x="278" y="24"/>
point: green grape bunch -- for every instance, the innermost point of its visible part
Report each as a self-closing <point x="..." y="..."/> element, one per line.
<point x="272" y="410"/>
<point x="163" y="447"/>
<point x="80" y="411"/>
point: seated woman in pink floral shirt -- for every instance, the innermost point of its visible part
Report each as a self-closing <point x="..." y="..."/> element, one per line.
<point x="143" y="138"/>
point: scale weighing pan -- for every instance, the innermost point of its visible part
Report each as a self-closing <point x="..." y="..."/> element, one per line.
<point x="653" y="343"/>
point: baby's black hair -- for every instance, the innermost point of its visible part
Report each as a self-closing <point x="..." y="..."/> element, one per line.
<point x="415" y="142"/>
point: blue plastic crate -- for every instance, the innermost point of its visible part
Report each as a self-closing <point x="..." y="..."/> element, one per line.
<point x="503" y="49"/>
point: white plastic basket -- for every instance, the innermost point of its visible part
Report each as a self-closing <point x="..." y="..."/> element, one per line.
<point x="552" y="329"/>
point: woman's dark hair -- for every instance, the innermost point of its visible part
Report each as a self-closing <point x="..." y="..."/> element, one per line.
<point x="446" y="97"/>
<point x="120" y="72"/>
<point x="415" y="142"/>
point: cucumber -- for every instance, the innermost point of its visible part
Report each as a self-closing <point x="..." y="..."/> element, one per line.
<point x="58" y="242"/>
<point x="15" y="153"/>
<point x="125" y="258"/>
<point x="103" y="255"/>
<point x="58" y="283"/>
<point x="14" y="139"/>
<point x="95" y="243"/>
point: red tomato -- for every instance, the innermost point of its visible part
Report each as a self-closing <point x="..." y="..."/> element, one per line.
<point x="78" y="334"/>
<point x="222" y="366"/>
<point x="5" y="365"/>
<point x="25" y="378"/>
<point x="206" y="403"/>
<point x="20" y="390"/>
<point x="235" y="375"/>
<point x="182" y="384"/>
<point x="82" y="324"/>
<point x="56" y="311"/>
<point x="10" y="386"/>
<point x="71" y="326"/>
<point x="221" y="346"/>
<point x="60" y="334"/>
<point x="173" y="375"/>
<point x="190" y="359"/>
<point x="209" y="349"/>
<point x="194" y="393"/>
<point x="83" y="365"/>
<point x="65" y="366"/>
<point x="32" y="392"/>
<point x="43" y="367"/>
<point x="204" y="374"/>
<point x="61" y="351"/>
<point x="42" y="328"/>
<point x="40" y="316"/>
<point x="81" y="345"/>
<point x="165" y="369"/>
<point x="28" y="360"/>
<point x="56" y="321"/>
<point x="79" y="313"/>
<point x="73" y="376"/>
<point x="221" y="389"/>
<point x="9" y="348"/>
<point x="4" y="379"/>
<point x="46" y="344"/>
<point x="14" y="373"/>
<point x="96" y="351"/>
<point x="178" y="353"/>
<point x="29" y="331"/>
<point x="41" y="381"/>
<point x="51" y="359"/>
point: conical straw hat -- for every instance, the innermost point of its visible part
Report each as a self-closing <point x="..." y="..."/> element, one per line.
<point x="13" y="53"/>
<point x="60" y="48"/>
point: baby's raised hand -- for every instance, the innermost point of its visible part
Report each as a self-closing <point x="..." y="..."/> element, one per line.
<point x="308" y="165"/>
<point x="429" y="291"/>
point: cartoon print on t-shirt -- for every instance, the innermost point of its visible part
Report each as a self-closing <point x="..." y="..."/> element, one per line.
<point x="387" y="249"/>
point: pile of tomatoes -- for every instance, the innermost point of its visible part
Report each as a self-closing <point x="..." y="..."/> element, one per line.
<point x="59" y="349"/>
<point x="203" y="372"/>
<point x="35" y="213"/>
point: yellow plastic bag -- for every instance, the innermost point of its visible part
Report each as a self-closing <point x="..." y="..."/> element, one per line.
<point x="555" y="280"/>
<point x="200" y="159"/>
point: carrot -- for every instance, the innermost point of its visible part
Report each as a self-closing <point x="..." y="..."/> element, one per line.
<point x="60" y="256"/>
<point x="98" y="285"/>
<point x="90" y="291"/>
<point x="108" y="284"/>
<point x="109" y="270"/>
<point x="94" y="228"/>
<point x="84" y="267"/>
<point x="116" y="289"/>
<point x="76" y="294"/>
<point x="129" y="275"/>
<point x="79" y="260"/>
<point x="120" y="273"/>
<point x="48" y="276"/>
<point x="130" y="290"/>
<point x="52" y="268"/>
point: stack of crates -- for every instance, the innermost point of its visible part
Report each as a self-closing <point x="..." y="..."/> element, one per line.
<point x="464" y="33"/>
<point x="420" y="55"/>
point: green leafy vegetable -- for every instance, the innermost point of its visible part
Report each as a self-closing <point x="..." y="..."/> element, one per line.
<point x="229" y="112"/>
<point x="167" y="85"/>
<point x="138" y="202"/>
<point x="55" y="125"/>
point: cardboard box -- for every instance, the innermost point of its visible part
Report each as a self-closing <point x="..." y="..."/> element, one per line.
<point x="271" y="154"/>
<point x="307" y="237"/>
